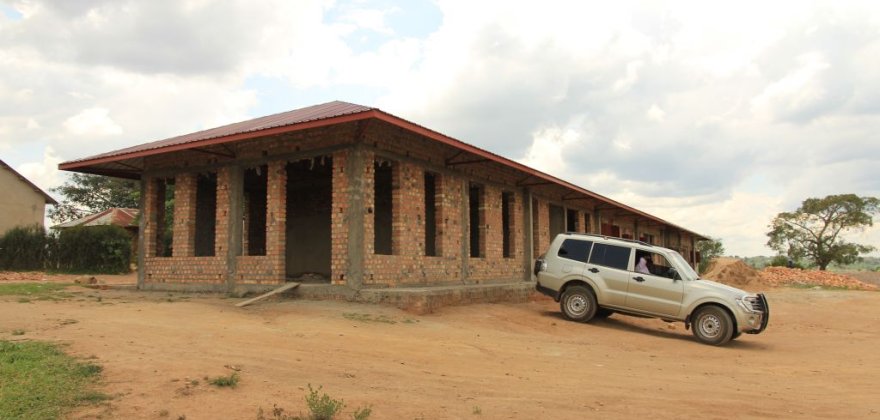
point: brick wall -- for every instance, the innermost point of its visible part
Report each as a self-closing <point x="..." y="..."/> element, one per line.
<point x="408" y="265"/>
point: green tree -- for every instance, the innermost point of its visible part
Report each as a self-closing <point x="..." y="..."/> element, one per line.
<point x="85" y="194"/>
<point x="709" y="249"/>
<point x="813" y="231"/>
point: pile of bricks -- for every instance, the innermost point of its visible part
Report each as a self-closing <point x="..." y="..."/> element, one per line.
<point x="782" y="276"/>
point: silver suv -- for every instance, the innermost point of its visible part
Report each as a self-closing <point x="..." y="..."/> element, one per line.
<point x="594" y="276"/>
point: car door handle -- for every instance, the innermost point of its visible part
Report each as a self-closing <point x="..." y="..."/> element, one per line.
<point x="639" y="279"/>
<point x="593" y="270"/>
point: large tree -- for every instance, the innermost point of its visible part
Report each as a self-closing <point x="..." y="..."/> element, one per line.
<point x="85" y="194"/>
<point x="709" y="249"/>
<point x="813" y="230"/>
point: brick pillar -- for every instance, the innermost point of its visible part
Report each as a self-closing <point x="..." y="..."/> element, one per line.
<point x="464" y="215"/>
<point x="276" y="218"/>
<point x="149" y="216"/>
<point x="231" y="182"/>
<point x="184" y="215"/>
<point x="527" y="234"/>
<point x="398" y="221"/>
<point x="142" y="231"/>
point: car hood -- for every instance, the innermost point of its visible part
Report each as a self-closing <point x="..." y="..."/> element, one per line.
<point x="720" y="288"/>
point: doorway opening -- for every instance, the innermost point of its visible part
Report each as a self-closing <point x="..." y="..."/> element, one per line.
<point x="309" y="204"/>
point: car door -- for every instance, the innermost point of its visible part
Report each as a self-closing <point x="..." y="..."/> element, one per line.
<point x="657" y="292"/>
<point x="607" y="267"/>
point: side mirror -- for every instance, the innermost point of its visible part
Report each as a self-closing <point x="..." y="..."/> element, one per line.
<point x="673" y="274"/>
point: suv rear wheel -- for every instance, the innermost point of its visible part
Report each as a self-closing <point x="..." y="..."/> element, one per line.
<point x="578" y="303"/>
<point x="712" y="325"/>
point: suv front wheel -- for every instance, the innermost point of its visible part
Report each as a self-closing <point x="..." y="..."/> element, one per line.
<point x="578" y="303"/>
<point x="712" y="325"/>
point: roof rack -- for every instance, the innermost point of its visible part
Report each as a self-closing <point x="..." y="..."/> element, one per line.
<point x="610" y="237"/>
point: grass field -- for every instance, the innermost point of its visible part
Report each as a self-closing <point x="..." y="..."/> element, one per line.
<point x="41" y="382"/>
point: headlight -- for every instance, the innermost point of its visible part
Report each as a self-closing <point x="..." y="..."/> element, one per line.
<point x="750" y="304"/>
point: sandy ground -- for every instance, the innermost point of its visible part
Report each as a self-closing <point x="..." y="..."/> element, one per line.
<point x="819" y="358"/>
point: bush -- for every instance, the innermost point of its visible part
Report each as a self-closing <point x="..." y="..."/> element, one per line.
<point x="24" y="248"/>
<point x="94" y="249"/>
<point x="782" y="261"/>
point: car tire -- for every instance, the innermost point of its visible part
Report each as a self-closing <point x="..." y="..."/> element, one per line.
<point x="578" y="303"/>
<point x="712" y="325"/>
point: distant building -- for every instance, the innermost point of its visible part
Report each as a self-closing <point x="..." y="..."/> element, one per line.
<point x="22" y="203"/>
<point x="116" y="216"/>
<point x="124" y="218"/>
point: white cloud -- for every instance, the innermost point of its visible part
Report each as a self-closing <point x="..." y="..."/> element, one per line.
<point x="43" y="173"/>
<point x="545" y="153"/>
<point x="95" y="122"/>
<point x="797" y="92"/>
<point x="656" y="114"/>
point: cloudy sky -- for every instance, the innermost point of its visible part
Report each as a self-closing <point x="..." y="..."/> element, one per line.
<point x="715" y="116"/>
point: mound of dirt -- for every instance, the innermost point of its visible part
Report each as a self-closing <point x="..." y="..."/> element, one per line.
<point x="732" y="271"/>
<point x="782" y="276"/>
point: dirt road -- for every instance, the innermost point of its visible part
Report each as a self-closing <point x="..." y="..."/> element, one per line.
<point x="819" y="358"/>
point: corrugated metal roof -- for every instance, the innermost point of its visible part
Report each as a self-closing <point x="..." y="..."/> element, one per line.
<point x="297" y="116"/>
<point x="113" y="216"/>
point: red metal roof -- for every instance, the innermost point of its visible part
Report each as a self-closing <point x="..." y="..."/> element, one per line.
<point x="113" y="216"/>
<point x="284" y="119"/>
<point x="330" y="113"/>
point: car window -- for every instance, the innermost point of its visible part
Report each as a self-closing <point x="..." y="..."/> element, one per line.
<point x="653" y="263"/>
<point x="574" y="249"/>
<point x="610" y="256"/>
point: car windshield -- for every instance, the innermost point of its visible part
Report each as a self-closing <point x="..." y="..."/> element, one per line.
<point x="686" y="271"/>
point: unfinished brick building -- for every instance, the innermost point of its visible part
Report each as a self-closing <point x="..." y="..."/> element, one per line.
<point x="349" y="195"/>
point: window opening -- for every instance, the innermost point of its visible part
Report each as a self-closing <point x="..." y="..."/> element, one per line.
<point x="476" y="221"/>
<point x="507" y="204"/>
<point x="206" y="214"/>
<point x="256" y="181"/>
<point x="571" y="220"/>
<point x="431" y="214"/>
<point x="383" y="207"/>
<point x="164" y="210"/>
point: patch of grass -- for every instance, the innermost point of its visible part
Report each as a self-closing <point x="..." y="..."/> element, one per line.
<point x="477" y="411"/>
<point x="230" y="381"/>
<point x="30" y="288"/>
<point x="321" y="407"/>
<point x="18" y="332"/>
<point x="41" y="382"/>
<point x="362" y="413"/>
<point x="36" y="291"/>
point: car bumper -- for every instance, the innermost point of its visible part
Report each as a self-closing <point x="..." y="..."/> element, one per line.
<point x="755" y="322"/>
<point x="547" y="291"/>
